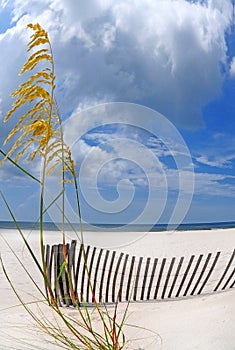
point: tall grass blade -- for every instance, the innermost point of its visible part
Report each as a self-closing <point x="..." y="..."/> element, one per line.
<point x="19" y="167"/>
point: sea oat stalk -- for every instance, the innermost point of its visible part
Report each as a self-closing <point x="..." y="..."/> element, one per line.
<point x="38" y="132"/>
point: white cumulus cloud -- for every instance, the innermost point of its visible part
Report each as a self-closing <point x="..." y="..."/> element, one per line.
<point x="232" y="67"/>
<point x="165" y="54"/>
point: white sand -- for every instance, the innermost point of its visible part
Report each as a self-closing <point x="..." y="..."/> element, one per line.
<point x="205" y="322"/>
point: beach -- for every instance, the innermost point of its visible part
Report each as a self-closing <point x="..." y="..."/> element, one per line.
<point x="202" y="322"/>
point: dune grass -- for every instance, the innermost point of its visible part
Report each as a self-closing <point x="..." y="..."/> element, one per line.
<point x="37" y="135"/>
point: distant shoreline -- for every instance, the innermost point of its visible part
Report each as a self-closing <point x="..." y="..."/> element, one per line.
<point x="49" y="226"/>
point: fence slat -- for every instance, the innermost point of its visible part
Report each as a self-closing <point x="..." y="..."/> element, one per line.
<point x="185" y="275"/>
<point x="88" y="289"/>
<point x="71" y="261"/>
<point x="71" y="268"/>
<point x="129" y="278"/>
<point x="232" y="285"/>
<point x="159" y="277"/>
<point x="225" y="271"/>
<point x="210" y="272"/>
<point x="62" y="281"/>
<point x="193" y="274"/>
<point x="65" y="280"/>
<point x="115" y="277"/>
<point x="202" y="273"/>
<point x="48" y="267"/>
<point x="168" y="277"/>
<point x="85" y="263"/>
<point x="96" y="273"/>
<point x="109" y="277"/>
<point x="137" y="278"/>
<point x="60" y="262"/>
<point x="176" y="276"/>
<point x="102" y="276"/>
<point x="145" y="278"/>
<point x="78" y="269"/>
<point x="229" y="279"/>
<point x="152" y="277"/>
<point x="122" y="277"/>
<point x="55" y="249"/>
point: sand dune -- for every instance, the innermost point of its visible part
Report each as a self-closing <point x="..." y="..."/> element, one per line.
<point x="204" y="322"/>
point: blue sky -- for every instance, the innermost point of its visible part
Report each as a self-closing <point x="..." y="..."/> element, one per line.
<point x="175" y="57"/>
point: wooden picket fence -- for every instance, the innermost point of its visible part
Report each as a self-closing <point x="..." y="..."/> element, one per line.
<point x="117" y="276"/>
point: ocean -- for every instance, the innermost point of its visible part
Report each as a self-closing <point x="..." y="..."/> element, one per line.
<point x="50" y="226"/>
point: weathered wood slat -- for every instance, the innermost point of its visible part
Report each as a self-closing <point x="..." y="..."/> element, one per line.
<point x="137" y="278"/>
<point x="232" y="285"/>
<point x="48" y="266"/>
<point x="78" y="269"/>
<point x="176" y="276"/>
<point x="185" y="275"/>
<point x="168" y="277"/>
<point x="152" y="277"/>
<point x="96" y="274"/>
<point x="89" y="285"/>
<point x="109" y="277"/>
<point x="84" y="272"/>
<point x="71" y="268"/>
<point x="71" y="259"/>
<point x="145" y="278"/>
<point x="115" y="277"/>
<point x="60" y="281"/>
<point x="122" y="277"/>
<point x="209" y="273"/>
<point x="225" y="271"/>
<point x="55" y="249"/>
<point x="159" y="277"/>
<point x="229" y="279"/>
<point x="65" y="284"/>
<point x="128" y="296"/>
<point x="102" y="276"/>
<point x="201" y="274"/>
<point x="193" y="275"/>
